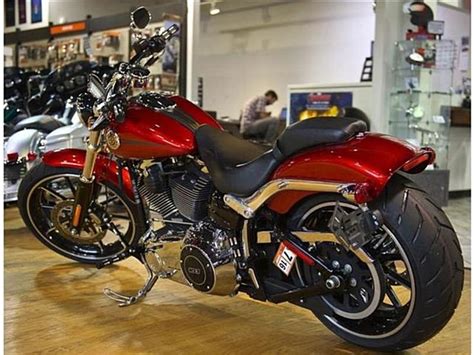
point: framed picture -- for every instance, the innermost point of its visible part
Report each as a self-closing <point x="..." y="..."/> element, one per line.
<point x="318" y="104"/>
<point x="9" y="13"/>
<point x="36" y="11"/>
<point x="22" y="11"/>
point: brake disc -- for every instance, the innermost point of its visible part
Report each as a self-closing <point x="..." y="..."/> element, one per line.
<point x="91" y="229"/>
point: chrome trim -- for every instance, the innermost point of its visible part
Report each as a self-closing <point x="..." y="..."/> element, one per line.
<point x="245" y="246"/>
<point x="247" y="206"/>
<point x="253" y="278"/>
<point x="160" y="102"/>
<point x="92" y="151"/>
<point x="245" y="240"/>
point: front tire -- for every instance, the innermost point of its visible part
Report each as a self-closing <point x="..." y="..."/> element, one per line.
<point x="434" y="269"/>
<point x="45" y="187"/>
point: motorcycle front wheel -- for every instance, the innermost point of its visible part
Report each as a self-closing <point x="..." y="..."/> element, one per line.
<point x="410" y="291"/>
<point x="45" y="200"/>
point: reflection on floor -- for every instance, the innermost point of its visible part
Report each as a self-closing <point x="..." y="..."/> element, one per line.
<point x="459" y="213"/>
<point x="53" y="305"/>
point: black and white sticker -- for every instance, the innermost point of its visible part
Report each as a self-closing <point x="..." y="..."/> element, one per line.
<point x="284" y="259"/>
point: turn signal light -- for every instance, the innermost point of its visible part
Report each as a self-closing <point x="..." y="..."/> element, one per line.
<point x="11" y="157"/>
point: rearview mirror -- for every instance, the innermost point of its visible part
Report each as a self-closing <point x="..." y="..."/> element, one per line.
<point x="95" y="87"/>
<point x="140" y="18"/>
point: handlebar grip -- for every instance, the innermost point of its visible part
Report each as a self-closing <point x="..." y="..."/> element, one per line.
<point x="170" y="31"/>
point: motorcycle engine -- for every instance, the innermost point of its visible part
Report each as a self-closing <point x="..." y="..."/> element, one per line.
<point x="207" y="259"/>
<point x="180" y="195"/>
<point x="205" y="252"/>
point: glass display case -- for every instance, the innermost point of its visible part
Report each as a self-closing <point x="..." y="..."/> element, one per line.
<point x="420" y="98"/>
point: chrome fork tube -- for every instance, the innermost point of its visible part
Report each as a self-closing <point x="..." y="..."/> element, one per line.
<point x="85" y="186"/>
<point x="92" y="151"/>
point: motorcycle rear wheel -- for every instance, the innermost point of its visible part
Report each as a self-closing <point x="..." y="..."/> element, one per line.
<point x="44" y="187"/>
<point x="433" y="270"/>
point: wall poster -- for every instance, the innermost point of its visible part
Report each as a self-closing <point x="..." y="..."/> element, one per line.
<point x="22" y="11"/>
<point x="318" y="104"/>
<point x="9" y="13"/>
<point x="36" y="11"/>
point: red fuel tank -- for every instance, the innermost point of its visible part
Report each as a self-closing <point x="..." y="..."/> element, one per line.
<point x="156" y="126"/>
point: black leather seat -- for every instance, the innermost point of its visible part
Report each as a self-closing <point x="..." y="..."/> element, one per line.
<point x="43" y="123"/>
<point x="315" y="131"/>
<point x="241" y="167"/>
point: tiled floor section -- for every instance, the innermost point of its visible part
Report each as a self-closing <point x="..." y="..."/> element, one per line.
<point x="459" y="213"/>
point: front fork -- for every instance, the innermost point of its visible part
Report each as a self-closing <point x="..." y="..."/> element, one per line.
<point x="85" y="187"/>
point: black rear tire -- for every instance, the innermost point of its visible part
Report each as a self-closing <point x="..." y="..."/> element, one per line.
<point x="433" y="250"/>
<point x="31" y="215"/>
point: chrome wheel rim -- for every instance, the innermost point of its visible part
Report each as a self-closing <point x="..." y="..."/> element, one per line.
<point x="398" y="275"/>
<point x="47" y="192"/>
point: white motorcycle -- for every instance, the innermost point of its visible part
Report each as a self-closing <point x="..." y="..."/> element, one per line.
<point x="23" y="149"/>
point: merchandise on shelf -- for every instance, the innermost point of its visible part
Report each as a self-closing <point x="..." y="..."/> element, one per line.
<point x="421" y="94"/>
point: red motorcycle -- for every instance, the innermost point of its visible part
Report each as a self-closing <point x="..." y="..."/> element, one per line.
<point x="324" y="219"/>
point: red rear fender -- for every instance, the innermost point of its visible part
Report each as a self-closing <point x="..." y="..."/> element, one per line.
<point x="105" y="168"/>
<point x="369" y="160"/>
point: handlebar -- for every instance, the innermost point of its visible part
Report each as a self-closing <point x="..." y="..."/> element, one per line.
<point x="114" y="102"/>
<point x="147" y="47"/>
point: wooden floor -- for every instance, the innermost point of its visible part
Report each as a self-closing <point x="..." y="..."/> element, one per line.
<point x="56" y="306"/>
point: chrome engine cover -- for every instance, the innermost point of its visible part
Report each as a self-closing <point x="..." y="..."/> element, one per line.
<point x="207" y="259"/>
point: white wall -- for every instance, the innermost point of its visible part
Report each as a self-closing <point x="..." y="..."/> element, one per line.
<point x="457" y="25"/>
<point x="243" y="53"/>
<point x="61" y="11"/>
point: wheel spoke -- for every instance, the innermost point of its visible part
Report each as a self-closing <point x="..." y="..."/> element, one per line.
<point x="108" y="200"/>
<point x="384" y="258"/>
<point x="392" y="296"/>
<point x="46" y="207"/>
<point x="393" y="276"/>
<point x="380" y="242"/>
<point x="101" y="246"/>
<point x="117" y="232"/>
<point x="70" y="184"/>
<point x="53" y="193"/>
<point x="120" y="217"/>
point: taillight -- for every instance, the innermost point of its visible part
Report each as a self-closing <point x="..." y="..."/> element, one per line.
<point x="12" y="157"/>
<point x="31" y="156"/>
<point x="417" y="164"/>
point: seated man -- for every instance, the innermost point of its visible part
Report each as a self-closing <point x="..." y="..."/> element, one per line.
<point x="256" y="122"/>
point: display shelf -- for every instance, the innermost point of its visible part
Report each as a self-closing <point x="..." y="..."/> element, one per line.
<point x="421" y="94"/>
<point x="420" y="69"/>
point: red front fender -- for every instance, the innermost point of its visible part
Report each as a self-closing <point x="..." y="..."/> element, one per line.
<point x="105" y="168"/>
<point x="369" y="160"/>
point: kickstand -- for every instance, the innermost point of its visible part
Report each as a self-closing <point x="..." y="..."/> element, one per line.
<point x="124" y="300"/>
